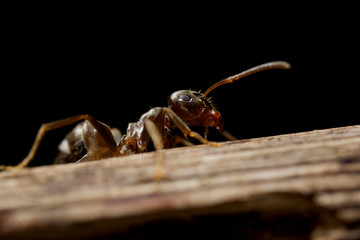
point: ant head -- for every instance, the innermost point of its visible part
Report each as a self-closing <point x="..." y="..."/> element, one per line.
<point x="194" y="109"/>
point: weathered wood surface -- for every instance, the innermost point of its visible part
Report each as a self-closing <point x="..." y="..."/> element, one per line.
<point x="298" y="186"/>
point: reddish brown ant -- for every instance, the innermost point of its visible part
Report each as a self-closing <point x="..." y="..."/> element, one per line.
<point x="93" y="140"/>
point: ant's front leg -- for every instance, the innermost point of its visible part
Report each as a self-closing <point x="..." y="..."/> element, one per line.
<point x="154" y="121"/>
<point x="184" y="128"/>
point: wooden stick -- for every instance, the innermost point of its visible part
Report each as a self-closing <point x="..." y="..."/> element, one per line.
<point x="298" y="186"/>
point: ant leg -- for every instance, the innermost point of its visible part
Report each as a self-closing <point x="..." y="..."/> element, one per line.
<point x="228" y="135"/>
<point x="46" y="127"/>
<point x="41" y="133"/>
<point x="158" y="143"/>
<point x="180" y="140"/>
<point x="186" y="130"/>
<point x="223" y="132"/>
<point x="206" y="133"/>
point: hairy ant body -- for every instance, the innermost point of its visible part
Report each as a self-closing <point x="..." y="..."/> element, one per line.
<point x="93" y="140"/>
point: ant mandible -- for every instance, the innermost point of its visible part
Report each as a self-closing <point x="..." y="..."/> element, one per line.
<point x="93" y="140"/>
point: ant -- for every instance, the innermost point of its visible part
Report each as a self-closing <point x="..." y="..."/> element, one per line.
<point x="93" y="140"/>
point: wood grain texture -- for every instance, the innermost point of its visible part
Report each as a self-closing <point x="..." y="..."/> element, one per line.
<point x="298" y="186"/>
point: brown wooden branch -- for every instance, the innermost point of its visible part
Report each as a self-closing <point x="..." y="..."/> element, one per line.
<point x="296" y="186"/>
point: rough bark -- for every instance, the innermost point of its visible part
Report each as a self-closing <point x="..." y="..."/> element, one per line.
<point x="298" y="186"/>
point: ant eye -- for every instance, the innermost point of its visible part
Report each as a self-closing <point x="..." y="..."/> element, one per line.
<point x="185" y="98"/>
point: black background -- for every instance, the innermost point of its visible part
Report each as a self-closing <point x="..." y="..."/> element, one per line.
<point x="115" y="62"/>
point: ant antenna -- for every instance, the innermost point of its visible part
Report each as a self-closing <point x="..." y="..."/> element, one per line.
<point x="259" y="68"/>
